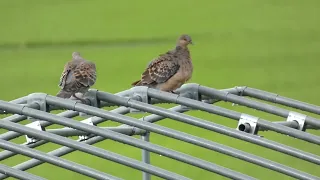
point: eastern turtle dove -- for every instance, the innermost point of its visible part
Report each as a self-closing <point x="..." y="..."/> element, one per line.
<point x="77" y="77"/>
<point x="171" y="70"/>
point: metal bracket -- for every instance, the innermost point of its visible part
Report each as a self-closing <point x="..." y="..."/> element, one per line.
<point x="40" y="99"/>
<point x="191" y="91"/>
<point x="34" y="125"/>
<point x="139" y="93"/>
<point x="91" y="95"/>
<point x="86" y="121"/>
<point x="299" y="118"/>
<point x="248" y="123"/>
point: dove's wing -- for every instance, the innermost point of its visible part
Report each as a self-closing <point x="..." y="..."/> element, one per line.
<point x="160" y="70"/>
<point x="85" y="73"/>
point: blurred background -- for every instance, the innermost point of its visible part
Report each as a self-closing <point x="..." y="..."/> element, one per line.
<point x="270" y="45"/>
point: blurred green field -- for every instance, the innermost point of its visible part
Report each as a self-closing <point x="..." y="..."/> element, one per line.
<point x="271" y="45"/>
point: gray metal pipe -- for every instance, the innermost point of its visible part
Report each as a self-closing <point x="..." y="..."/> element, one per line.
<point x="94" y="139"/>
<point x="232" y="114"/>
<point x="14" y="118"/>
<point x="117" y="136"/>
<point x="145" y="156"/>
<point x="174" y="134"/>
<point x="275" y="98"/>
<point x="67" y="132"/>
<point x="291" y="124"/>
<point x="210" y="126"/>
<point x="21" y="100"/>
<point x="56" y="161"/>
<point x="124" y="129"/>
<point x="89" y="149"/>
<point x="7" y="154"/>
<point x="35" y="106"/>
<point x="71" y="132"/>
<point x="18" y="174"/>
<point x="11" y="134"/>
<point x="252" y="104"/>
<point x="17" y="118"/>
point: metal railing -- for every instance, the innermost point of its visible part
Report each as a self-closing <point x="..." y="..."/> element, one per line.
<point x="37" y="107"/>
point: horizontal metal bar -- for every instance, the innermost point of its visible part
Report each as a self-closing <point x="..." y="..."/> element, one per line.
<point x="120" y="137"/>
<point x="87" y="148"/>
<point x="189" y="138"/>
<point x="11" y="134"/>
<point x="18" y="174"/>
<point x="252" y="104"/>
<point x="56" y="160"/>
<point x="275" y="98"/>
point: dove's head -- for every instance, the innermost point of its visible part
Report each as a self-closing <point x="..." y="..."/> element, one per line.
<point x="184" y="40"/>
<point x="75" y="55"/>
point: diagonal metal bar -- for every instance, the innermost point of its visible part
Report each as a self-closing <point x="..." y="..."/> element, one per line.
<point x="17" y="118"/>
<point x="56" y="161"/>
<point x="118" y="137"/>
<point x="11" y="134"/>
<point x="124" y="129"/>
<point x="18" y="174"/>
<point x="91" y="149"/>
<point x="252" y="104"/>
<point x="210" y="126"/>
<point x="7" y="154"/>
<point x="21" y="100"/>
<point x="176" y="134"/>
<point x="275" y="98"/>
<point x="232" y="114"/>
<point x="95" y="120"/>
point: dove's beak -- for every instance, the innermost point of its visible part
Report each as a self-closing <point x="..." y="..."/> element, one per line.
<point x="191" y="43"/>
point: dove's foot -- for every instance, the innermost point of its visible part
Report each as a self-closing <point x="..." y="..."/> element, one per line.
<point x="84" y="101"/>
<point x="173" y="92"/>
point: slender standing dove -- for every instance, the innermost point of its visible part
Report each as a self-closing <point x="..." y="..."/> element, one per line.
<point x="170" y="70"/>
<point x="77" y="77"/>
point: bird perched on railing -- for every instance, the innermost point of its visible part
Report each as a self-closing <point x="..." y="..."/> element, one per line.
<point x="77" y="77"/>
<point x="170" y="70"/>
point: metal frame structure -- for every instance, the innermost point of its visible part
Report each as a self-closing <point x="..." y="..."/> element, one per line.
<point x="37" y="107"/>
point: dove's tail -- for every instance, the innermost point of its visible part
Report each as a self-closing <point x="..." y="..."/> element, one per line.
<point x="64" y="94"/>
<point x="136" y="83"/>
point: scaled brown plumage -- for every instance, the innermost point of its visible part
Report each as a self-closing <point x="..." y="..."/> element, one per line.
<point x="170" y="70"/>
<point x="77" y="77"/>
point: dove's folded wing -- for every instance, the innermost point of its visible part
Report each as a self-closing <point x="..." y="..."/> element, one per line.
<point x="85" y="74"/>
<point x="160" y="70"/>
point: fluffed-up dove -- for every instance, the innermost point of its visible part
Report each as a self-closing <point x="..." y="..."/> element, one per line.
<point x="77" y="77"/>
<point x="171" y="70"/>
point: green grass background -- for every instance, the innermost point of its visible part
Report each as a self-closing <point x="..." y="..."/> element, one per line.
<point x="271" y="45"/>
